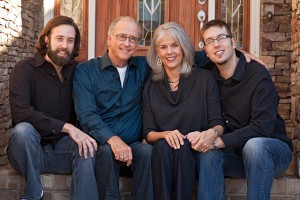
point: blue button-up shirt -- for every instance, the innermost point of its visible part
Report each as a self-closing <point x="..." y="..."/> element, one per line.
<point x="104" y="108"/>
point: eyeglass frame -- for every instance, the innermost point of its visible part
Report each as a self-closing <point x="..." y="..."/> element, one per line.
<point x="220" y="38"/>
<point x="123" y="37"/>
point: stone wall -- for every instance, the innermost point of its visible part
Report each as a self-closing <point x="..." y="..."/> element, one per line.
<point x="276" y="49"/>
<point x="295" y="77"/>
<point x="20" y="23"/>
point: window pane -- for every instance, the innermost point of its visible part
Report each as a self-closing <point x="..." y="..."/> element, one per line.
<point x="74" y="9"/>
<point x="233" y="13"/>
<point x="150" y="16"/>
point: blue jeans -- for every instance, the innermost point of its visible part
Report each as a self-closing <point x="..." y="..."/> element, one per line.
<point x="261" y="160"/>
<point x="108" y="170"/>
<point x="30" y="160"/>
<point x="173" y="171"/>
<point x="210" y="175"/>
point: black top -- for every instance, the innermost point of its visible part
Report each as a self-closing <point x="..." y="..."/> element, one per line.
<point x="195" y="107"/>
<point x="249" y="103"/>
<point x="38" y="97"/>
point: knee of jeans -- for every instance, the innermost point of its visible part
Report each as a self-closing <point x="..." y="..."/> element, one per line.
<point x="254" y="143"/>
<point x="214" y="156"/>
<point x="24" y="132"/>
<point x="104" y="151"/>
<point x="145" y="151"/>
<point x="255" y="148"/>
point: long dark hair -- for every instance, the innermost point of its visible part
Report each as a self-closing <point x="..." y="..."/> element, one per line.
<point x="41" y="46"/>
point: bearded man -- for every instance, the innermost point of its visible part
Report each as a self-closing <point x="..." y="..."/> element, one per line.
<point x="44" y="138"/>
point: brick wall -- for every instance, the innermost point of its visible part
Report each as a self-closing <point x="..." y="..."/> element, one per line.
<point x="20" y="23"/>
<point x="295" y="78"/>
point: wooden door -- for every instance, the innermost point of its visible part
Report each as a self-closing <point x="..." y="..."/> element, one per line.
<point x="78" y="10"/>
<point x="187" y="13"/>
<point x="183" y="12"/>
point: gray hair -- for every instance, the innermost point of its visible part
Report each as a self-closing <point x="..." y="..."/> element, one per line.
<point x="111" y="28"/>
<point x="178" y="34"/>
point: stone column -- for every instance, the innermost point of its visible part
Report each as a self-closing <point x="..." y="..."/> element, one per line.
<point x="276" y="49"/>
<point x="20" y="23"/>
<point x="295" y="78"/>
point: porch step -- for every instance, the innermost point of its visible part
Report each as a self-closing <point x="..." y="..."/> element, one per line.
<point x="57" y="187"/>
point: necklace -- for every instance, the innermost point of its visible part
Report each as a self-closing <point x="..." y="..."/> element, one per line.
<point x="173" y="81"/>
<point x="173" y="88"/>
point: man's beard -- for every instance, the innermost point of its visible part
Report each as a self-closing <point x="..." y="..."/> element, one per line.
<point x="60" y="61"/>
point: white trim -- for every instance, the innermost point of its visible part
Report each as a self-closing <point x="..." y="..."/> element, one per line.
<point x="91" y="29"/>
<point x="255" y="27"/>
<point x="211" y="10"/>
<point x="48" y="10"/>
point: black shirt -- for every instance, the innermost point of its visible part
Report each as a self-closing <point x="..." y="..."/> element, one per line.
<point x="249" y="105"/>
<point x="195" y="107"/>
<point x="37" y="96"/>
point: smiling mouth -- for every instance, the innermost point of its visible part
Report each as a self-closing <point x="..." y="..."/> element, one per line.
<point x="125" y="50"/>
<point x="171" y="58"/>
<point x="219" y="52"/>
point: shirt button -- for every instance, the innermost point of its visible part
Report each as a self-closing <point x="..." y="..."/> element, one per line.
<point x="223" y="113"/>
<point x="226" y="121"/>
<point x="221" y="98"/>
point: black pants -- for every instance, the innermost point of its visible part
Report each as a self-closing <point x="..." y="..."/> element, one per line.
<point x="173" y="171"/>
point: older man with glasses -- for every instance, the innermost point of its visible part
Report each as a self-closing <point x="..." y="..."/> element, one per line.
<point x="107" y="95"/>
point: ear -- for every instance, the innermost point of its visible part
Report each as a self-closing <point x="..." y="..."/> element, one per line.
<point x="109" y="37"/>
<point x="46" y="40"/>
<point x="233" y="42"/>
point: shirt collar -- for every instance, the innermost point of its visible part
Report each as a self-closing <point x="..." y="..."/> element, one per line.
<point x="240" y="69"/>
<point x="39" y="60"/>
<point x="106" y="62"/>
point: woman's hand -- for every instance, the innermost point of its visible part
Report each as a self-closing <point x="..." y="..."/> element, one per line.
<point x="174" y="138"/>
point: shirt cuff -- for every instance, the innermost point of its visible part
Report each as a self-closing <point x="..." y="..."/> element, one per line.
<point x="103" y="135"/>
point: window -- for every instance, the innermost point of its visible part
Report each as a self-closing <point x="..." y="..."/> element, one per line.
<point x="236" y="14"/>
<point x="150" y="16"/>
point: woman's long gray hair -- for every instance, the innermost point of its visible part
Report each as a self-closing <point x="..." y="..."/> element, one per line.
<point x="179" y="35"/>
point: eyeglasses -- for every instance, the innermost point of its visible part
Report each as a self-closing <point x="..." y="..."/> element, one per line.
<point x="123" y="37"/>
<point x="219" y="38"/>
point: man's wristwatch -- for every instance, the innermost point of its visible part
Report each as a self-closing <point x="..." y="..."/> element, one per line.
<point x="216" y="132"/>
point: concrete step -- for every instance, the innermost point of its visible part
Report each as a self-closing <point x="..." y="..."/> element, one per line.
<point x="57" y="187"/>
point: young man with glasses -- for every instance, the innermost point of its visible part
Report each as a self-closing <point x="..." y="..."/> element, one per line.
<point x="254" y="145"/>
<point x="107" y="95"/>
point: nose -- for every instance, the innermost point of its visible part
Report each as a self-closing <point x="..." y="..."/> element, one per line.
<point x="170" y="50"/>
<point x="64" y="43"/>
<point x="216" y="44"/>
<point x="126" y="42"/>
